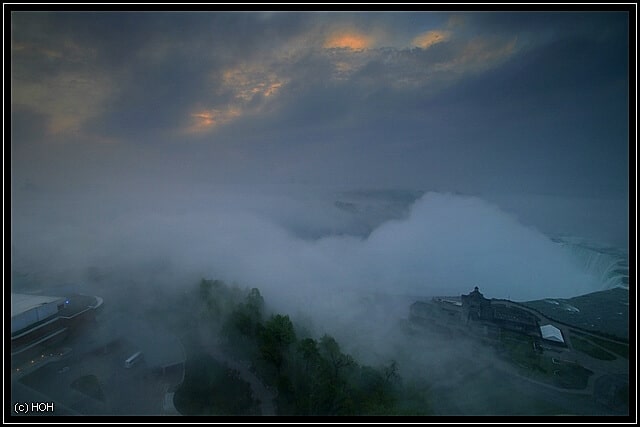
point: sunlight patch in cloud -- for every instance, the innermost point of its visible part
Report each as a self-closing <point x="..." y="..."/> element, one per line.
<point x="206" y="120"/>
<point x="247" y="82"/>
<point x="69" y="94"/>
<point x="348" y="40"/>
<point x="249" y="86"/>
<point x="428" y="39"/>
<point x="67" y="100"/>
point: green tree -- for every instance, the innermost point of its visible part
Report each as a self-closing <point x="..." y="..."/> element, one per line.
<point x="330" y="350"/>
<point x="275" y="337"/>
<point x="216" y="297"/>
<point x="205" y="288"/>
<point x="242" y="321"/>
<point x="245" y="319"/>
<point x="391" y="372"/>
<point x="308" y="348"/>
<point x="255" y="302"/>
<point x="373" y="391"/>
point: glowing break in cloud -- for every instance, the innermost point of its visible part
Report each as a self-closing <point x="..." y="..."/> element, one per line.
<point x="349" y="51"/>
<point x="206" y="120"/>
<point x="67" y="100"/>
<point x="69" y="96"/>
<point x="348" y="40"/>
<point x="244" y="84"/>
<point x="247" y="82"/>
<point x="428" y="39"/>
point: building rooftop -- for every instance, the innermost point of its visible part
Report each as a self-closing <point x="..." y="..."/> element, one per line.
<point x="550" y="332"/>
<point x="25" y="302"/>
<point x="513" y="314"/>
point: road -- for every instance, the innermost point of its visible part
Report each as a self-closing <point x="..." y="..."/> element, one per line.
<point x="260" y="392"/>
<point x="605" y="371"/>
<point x="602" y="394"/>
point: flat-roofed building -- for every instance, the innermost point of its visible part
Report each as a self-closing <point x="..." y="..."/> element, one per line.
<point x="27" y="310"/>
<point x="551" y="333"/>
<point x="38" y="321"/>
<point x="515" y="319"/>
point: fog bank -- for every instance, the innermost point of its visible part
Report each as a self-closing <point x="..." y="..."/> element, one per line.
<point x="445" y="245"/>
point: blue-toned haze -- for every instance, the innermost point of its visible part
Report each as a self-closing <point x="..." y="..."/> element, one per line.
<point x="234" y="145"/>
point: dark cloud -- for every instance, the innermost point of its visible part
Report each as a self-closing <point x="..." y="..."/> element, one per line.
<point x="591" y="24"/>
<point x="519" y="102"/>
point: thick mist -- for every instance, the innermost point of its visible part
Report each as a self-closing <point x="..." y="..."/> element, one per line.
<point x="356" y="287"/>
<point x="446" y="245"/>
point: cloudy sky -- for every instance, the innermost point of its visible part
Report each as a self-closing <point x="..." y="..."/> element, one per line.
<point x="470" y="102"/>
<point x="124" y="124"/>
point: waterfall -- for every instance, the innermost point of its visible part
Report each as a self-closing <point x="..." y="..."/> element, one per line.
<point x="610" y="266"/>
